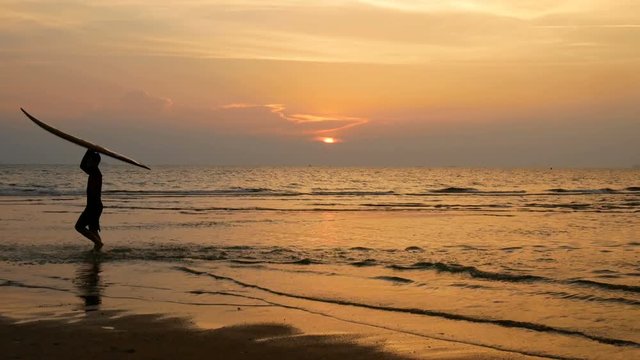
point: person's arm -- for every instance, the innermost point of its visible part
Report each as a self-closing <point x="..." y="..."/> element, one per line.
<point x="84" y="164"/>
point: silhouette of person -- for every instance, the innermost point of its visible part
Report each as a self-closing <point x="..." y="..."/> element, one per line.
<point x="88" y="282"/>
<point x="88" y="223"/>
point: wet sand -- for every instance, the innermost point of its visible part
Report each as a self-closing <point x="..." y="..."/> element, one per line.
<point x="62" y="327"/>
<point x="154" y="337"/>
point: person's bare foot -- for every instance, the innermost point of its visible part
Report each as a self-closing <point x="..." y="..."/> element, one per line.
<point x="97" y="241"/>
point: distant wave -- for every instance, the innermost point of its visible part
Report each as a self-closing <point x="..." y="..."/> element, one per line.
<point x="414" y="249"/>
<point x="593" y="298"/>
<point x="39" y="191"/>
<point x="304" y="261"/>
<point x="365" y="262"/>
<point x="473" y="191"/>
<point x="394" y="279"/>
<point x="350" y="193"/>
<point x="469" y="270"/>
<point x="455" y="190"/>
<point x="509" y="277"/>
<point x="214" y="192"/>
<point x="603" y="285"/>
<point x="360" y="248"/>
<point x="584" y="191"/>
<point x="574" y="206"/>
<point x="13" y="189"/>
<point x="13" y="283"/>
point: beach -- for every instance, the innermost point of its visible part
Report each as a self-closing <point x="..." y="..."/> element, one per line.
<point x="286" y="263"/>
<point x="251" y="334"/>
<point x="312" y="179"/>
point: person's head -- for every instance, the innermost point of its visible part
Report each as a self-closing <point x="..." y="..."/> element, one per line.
<point x="93" y="160"/>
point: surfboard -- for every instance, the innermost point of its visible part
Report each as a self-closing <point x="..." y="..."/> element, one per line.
<point x="83" y="143"/>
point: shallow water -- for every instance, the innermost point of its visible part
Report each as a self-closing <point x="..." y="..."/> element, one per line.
<point x="533" y="261"/>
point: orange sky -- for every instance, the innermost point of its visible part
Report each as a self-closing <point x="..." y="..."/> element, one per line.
<point x="557" y="82"/>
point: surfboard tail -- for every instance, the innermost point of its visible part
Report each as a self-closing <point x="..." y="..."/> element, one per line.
<point x="82" y="142"/>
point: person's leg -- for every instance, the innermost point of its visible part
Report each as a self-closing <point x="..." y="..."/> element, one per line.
<point x="94" y="227"/>
<point x="81" y="227"/>
<point x="97" y="241"/>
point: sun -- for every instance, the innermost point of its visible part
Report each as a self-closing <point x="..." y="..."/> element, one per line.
<point x="329" y="140"/>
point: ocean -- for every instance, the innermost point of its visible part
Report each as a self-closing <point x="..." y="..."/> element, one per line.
<point x="541" y="262"/>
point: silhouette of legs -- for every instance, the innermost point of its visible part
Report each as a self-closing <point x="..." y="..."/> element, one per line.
<point x="88" y="225"/>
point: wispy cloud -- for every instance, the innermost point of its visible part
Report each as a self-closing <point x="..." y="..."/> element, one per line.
<point x="322" y="124"/>
<point x="594" y="26"/>
<point x="415" y="32"/>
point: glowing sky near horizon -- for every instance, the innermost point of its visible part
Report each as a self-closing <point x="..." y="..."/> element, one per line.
<point x="403" y="82"/>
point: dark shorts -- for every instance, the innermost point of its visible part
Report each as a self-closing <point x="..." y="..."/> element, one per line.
<point x="90" y="217"/>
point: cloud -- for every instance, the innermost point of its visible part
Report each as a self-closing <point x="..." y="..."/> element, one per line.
<point x="303" y="124"/>
<point x="328" y="31"/>
<point x="140" y="101"/>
